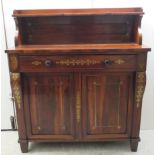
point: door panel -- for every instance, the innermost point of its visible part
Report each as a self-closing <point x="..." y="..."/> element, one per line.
<point x="51" y="103"/>
<point x="105" y="101"/>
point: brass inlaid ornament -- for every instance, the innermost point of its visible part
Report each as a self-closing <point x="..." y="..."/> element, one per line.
<point x="13" y="62"/>
<point x="119" y="61"/>
<point x="140" y="88"/>
<point x="118" y="126"/>
<point x="39" y="128"/>
<point x="141" y="66"/>
<point x="36" y="63"/>
<point x="15" y="81"/>
<point x="86" y="62"/>
<point x="78" y="107"/>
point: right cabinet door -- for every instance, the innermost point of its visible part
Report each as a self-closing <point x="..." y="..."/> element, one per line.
<point x="106" y="104"/>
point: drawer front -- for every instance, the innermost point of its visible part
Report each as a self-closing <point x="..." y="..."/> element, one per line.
<point x="59" y="63"/>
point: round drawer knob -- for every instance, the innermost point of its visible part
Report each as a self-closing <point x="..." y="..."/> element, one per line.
<point x="108" y="62"/>
<point x="48" y="63"/>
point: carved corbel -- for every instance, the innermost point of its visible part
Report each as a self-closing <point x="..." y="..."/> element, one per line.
<point x="140" y="87"/>
<point x="16" y="89"/>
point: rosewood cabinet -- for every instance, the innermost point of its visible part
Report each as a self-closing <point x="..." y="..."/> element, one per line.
<point x="78" y="75"/>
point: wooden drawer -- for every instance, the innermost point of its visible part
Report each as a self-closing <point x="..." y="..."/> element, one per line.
<point x="59" y="63"/>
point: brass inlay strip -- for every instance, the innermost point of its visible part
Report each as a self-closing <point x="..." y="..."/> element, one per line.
<point x="61" y="89"/>
<point x="15" y="81"/>
<point x="77" y="62"/>
<point x="119" y="97"/>
<point x="140" y="88"/>
<point x="78" y="106"/>
<point x="36" y="84"/>
<point x="86" y="62"/>
<point x="95" y="108"/>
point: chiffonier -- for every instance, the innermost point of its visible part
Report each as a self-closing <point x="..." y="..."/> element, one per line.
<point x="78" y="75"/>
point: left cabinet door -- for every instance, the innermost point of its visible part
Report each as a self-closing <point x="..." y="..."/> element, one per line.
<point x="49" y="102"/>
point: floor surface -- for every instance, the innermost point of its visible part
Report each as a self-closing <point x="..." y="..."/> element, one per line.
<point x="11" y="147"/>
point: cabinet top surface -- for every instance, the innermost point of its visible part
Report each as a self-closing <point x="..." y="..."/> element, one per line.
<point x="57" y="12"/>
<point x="73" y="47"/>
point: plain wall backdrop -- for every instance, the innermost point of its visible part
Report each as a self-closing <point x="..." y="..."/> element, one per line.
<point x="147" y="31"/>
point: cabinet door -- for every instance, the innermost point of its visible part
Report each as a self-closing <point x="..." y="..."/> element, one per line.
<point x="50" y="105"/>
<point x="105" y="104"/>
